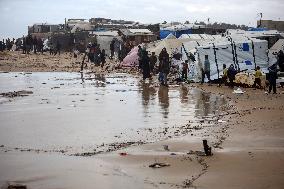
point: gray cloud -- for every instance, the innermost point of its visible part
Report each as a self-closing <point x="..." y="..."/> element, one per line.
<point x="16" y="15"/>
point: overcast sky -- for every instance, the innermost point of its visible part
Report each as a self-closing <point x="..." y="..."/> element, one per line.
<point x="16" y="15"/>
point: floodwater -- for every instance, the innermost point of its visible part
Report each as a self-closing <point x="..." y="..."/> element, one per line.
<point x="76" y="111"/>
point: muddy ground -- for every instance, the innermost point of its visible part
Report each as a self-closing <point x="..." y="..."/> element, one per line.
<point x="247" y="136"/>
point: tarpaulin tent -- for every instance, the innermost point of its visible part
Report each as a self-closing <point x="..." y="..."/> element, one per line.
<point x="244" y="54"/>
<point x="200" y="36"/>
<point x="131" y="60"/>
<point x="176" y="30"/>
<point x="171" y="36"/>
<point x="279" y="45"/>
<point x="170" y="44"/>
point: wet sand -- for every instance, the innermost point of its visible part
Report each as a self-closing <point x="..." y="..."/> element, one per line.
<point x="253" y="152"/>
<point x="65" y="62"/>
<point x="247" y="135"/>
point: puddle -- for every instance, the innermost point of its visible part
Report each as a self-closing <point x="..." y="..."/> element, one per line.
<point x="79" y="112"/>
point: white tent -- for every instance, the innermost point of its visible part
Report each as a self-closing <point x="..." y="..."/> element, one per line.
<point x="171" y="36"/>
<point x="171" y="45"/>
<point x="244" y="54"/>
<point x="279" y="45"/>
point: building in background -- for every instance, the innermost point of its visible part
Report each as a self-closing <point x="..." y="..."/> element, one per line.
<point x="271" y="24"/>
<point x="137" y="36"/>
<point x="43" y="28"/>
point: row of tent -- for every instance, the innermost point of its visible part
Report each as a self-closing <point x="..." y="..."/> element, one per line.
<point x="243" y="51"/>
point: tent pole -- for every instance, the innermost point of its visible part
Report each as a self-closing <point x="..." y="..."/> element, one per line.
<point x="216" y="61"/>
<point x="253" y="54"/>
<point x="233" y="52"/>
<point x="237" y="62"/>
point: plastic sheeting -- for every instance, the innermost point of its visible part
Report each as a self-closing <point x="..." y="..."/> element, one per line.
<point x="170" y="44"/>
<point x="131" y="60"/>
<point x="243" y="54"/>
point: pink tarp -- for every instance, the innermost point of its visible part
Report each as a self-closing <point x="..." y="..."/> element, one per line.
<point x="131" y="59"/>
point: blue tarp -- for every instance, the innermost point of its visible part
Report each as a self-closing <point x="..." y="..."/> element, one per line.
<point x="257" y="29"/>
<point x="245" y="47"/>
<point x="165" y="33"/>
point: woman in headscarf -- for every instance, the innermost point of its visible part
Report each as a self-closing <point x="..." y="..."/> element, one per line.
<point x="145" y="60"/>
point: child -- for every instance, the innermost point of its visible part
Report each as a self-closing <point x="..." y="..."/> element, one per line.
<point x="257" y="75"/>
<point x="225" y="75"/>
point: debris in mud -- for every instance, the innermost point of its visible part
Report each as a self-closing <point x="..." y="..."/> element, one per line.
<point x="14" y="94"/>
<point x="86" y="154"/>
<point x="238" y="91"/>
<point x="207" y="149"/>
<point x="12" y="185"/>
<point x="198" y="153"/>
<point x="159" y="165"/>
<point x="18" y="186"/>
<point x="123" y="154"/>
<point x="187" y="183"/>
<point x="166" y="147"/>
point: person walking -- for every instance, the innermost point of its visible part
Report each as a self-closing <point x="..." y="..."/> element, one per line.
<point x="206" y="70"/>
<point x="153" y="61"/>
<point x="40" y="45"/>
<point x="258" y="74"/>
<point x="184" y="70"/>
<point x="145" y="61"/>
<point x="24" y="45"/>
<point x="111" y="47"/>
<point x="272" y="78"/>
<point x="29" y="43"/>
<point x="231" y="75"/>
<point x="35" y="44"/>
<point x="103" y="58"/>
<point x="58" y="48"/>
<point x="280" y="60"/>
<point x="164" y="66"/>
<point x="139" y="56"/>
<point x="224" y="76"/>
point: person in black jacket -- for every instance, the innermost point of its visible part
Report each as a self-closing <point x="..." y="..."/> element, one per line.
<point x="231" y="75"/>
<point x="103" y="58"/>
<point x="153" y="61"/>
<point x="272" y="78"/>
<point x="145" y="61"/>
<point x="280" y="59"/>
<point x="164" y="66"/>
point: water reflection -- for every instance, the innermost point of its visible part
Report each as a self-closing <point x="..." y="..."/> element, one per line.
<point x="163" y="95"/>
<point x="207" y="104"/>
<point x="148" y="93"/>
<point x="183" y="94"/>
<point x="100" y="77"/>
<point x="82" y="79"/>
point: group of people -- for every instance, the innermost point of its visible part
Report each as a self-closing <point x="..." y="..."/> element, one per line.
<point x="229" y="74"/>
<point x="10" y="45"/>
<point x="271" y="76"/>
<point x="95" y="54"/>
<point x="148" y="64"/>
<point x="119" y="49"/>
<point x="26" y="44"/>
<point x="54" y="48"/>
<point x="32" y="44"/>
